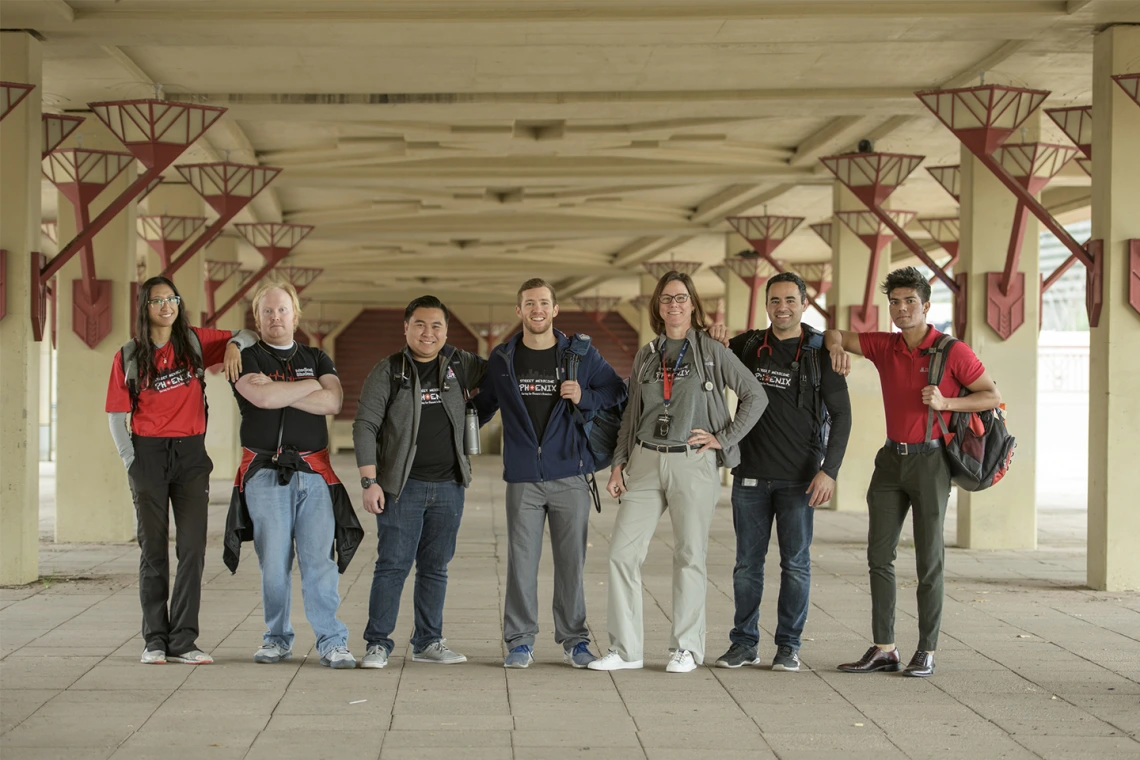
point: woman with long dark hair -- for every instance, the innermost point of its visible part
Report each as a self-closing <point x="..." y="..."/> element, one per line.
<point x="675" y="435"/>
<point x="158" y="379"/>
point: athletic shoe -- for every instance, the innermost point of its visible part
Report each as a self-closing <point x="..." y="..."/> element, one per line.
<point x="438" y="653"/>
<point x="787" y="659"/>
<point x="580" y="656"/>
<point x="519" y="657"/>
<point x="273" y="652"/>
<point x="681" y="662"/>
<point x="193" y="657"/>
<point x="375" y="656"/>
<point x="612" y="661"/>
<point x="153" y="657"/>
<point x="338" y="658"/>
<point x="737" y="655"/>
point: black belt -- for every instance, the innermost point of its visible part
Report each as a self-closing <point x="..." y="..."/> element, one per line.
<point x="665" y="449"/>
<point x="905" y="449"/>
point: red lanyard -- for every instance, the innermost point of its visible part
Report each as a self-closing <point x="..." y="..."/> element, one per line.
<point x="667" y="375"/>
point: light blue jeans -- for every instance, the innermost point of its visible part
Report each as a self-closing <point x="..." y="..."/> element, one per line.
<point x="299" y="514"/>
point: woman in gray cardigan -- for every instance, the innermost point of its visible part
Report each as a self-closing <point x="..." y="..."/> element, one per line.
<point x="675" y="435"/>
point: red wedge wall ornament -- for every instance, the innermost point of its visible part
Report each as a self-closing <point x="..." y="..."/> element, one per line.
<point x="156" y="132"/>
<point x="11" y="95"/>
<point x="982" y="118"/>
<point x="597" y="307"/>
<point x="274" y="241"/>
<point x="228" y="188"/>
<point x="81" y="175"/>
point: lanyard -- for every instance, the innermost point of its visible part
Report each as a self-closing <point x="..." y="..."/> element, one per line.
<point x="667" y="376"/>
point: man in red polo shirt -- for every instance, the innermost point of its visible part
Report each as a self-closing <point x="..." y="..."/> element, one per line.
<point x="910" y="471"/>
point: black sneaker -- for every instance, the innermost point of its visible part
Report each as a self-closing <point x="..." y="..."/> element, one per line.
<point x="786" y="659"/>
<point x="737" y="655"/>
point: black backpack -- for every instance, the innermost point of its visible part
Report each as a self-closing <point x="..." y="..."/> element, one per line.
<point x="130" y="365"/>
<point x="402" y="379"/>
<point x="811" y="376"/>
<point x="977" y="460"/>
<point x="599" y="427"/>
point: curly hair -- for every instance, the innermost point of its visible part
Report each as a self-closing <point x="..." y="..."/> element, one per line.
<point x="910" y="278"/>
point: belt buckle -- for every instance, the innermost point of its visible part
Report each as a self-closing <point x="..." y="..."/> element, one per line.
<point x="904" y="449"/>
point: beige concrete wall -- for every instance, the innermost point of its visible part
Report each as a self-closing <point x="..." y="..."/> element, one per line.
<point x="20" y="61"/>
<point x="93" y="501"/>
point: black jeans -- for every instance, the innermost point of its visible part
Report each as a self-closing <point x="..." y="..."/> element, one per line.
<point x="171" y="474"/>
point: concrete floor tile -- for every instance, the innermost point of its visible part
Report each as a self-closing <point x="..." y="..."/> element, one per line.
<point x="44" y="672"/>
<point x="317" y="745"/>
<point x="1080" y="748"/>
<point x="56" y="753"/>
<point x="186" y="744"/>
<point x="574" y="753"/>
<point x="18" y="704"/>
<point x="584" y="738"/>
<point x="91" y="732"/>
<point x="445" y="753"/>
<point x="410" y="739"/>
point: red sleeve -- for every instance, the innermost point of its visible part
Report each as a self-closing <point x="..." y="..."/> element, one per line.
<point x="213" y="344"/>
<point x="872" y="344"/>
<point x="118" y="397"/>
<point x="963" y="365"/>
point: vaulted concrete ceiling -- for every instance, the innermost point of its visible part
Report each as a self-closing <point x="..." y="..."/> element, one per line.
<point x="461" y="146"/>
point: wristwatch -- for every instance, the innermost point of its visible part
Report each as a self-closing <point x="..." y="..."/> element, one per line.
<point x="366" y="483"/>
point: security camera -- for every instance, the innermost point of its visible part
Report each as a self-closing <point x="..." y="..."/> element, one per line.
<point x="866" y="146"/>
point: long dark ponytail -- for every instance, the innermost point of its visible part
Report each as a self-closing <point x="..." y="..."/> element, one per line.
<point x="179" y="336"/>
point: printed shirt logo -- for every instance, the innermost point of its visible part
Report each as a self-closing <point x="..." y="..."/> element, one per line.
<point x="171" y="380"/>
<point x="451" y="373"/>
<point x="682" y="372"/>
<point x="774" y="377"/>
<point x="430" y="397"/>
<point x="538" y="386"/>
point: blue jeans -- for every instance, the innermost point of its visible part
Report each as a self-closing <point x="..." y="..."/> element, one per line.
<point x="753" y="508"/>
<point x="299" y="514"/>
<point x="420" y="526"/>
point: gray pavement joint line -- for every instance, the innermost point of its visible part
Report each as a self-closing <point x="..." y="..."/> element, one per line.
<point x="1089" y="622"/>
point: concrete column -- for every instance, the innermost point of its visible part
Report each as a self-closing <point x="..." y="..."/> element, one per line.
<point x="93" y="501"/>
<point x="222" y="441"/>
<point x="736" y="293"/>
<point x="1114" y="363"/>
<point x="849" y="260"/>
<point x="181" y="200"/>
<point x="20" y="61"/>
<point x="644" y="331"/>
<point x="1004" y="517"/>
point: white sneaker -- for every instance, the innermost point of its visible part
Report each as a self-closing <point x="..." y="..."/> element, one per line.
<point x="338" y="658"/>
<point x="153" y="657"/>
<point x="681" y="662"/>
<point x="193" y="657"/>
<point x="613" y="661"/>
<point x="376" y="656"/>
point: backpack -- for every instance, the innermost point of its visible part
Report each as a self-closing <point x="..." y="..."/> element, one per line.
<point x="978" y="446"/>
<point x="402" y="379"/>
<point x="599" y="426"/>
<point x="811" y="376"/>
<point x="130" y="365"/>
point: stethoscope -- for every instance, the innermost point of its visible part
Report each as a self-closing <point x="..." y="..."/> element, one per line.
<point x="406" y="381"/>
<point x="764" y="345"/>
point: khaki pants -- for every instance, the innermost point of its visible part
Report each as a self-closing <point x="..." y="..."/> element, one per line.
<point x="688" y="485"/>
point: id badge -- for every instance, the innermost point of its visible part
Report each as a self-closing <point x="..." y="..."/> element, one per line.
<point x="661" y="429"/>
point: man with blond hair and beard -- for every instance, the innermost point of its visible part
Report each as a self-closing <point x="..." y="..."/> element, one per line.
<point x="545" y="462"/>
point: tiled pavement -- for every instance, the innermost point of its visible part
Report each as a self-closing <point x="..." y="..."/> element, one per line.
<point x="1031" y="665"/>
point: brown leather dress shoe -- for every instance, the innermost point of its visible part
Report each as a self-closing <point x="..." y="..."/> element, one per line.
<point x="873" y="661"/>
<point x="921" y="665"/>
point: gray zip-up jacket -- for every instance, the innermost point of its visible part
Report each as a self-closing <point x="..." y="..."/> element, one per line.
<point x="713" y="363"/>
<point x="387" y="428"/>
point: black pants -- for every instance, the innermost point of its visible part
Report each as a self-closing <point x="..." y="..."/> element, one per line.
<point x="171" y="474"/>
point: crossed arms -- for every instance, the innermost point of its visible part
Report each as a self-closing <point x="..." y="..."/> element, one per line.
<point x="322" y="395"/>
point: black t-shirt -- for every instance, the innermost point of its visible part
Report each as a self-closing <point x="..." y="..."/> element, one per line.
<point x="537" y="373"/>
<point x="435" y="460"/>
<point x="784" y="444"/>
<point x="259" y="427"/>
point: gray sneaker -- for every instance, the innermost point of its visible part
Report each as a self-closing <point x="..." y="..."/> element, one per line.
<point x="375" y="656"/>
<point x="580" y="656"/>
<point x="193" y="657"/>
<point x="338" y="658"/>
<point x="272" y="653"/>
<point x="737" y="655"/>
<point x="438" y="653"/>
<point x="519" y="657"/>
<point x="786" y="659"/>
<point x="153" y="657"/>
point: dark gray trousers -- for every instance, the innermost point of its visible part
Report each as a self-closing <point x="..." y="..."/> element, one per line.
<point x="566" y="503"/>
<point x="921" y="483"/>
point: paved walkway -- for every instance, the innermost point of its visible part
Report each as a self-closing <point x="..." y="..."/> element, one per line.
<point x="1032" y="665"/>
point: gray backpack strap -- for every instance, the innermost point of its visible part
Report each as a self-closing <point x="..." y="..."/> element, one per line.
<point x="130" y="365"/>
<point x="937" y="368"/>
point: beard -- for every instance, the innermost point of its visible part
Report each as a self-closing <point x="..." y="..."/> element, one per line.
<point x="547" y="326"/>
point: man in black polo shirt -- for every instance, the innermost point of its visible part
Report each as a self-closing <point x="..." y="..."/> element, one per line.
<point x="780" y="476"/>
<point x="284" y="392"/>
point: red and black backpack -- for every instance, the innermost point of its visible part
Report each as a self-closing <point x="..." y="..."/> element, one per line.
<point x="978" y="445"/>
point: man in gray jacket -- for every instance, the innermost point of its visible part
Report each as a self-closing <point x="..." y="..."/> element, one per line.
<point x="408" y="435"/>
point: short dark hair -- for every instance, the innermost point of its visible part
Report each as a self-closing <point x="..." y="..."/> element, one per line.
<point x="656" y="323"/>
<point x="426" y="302"/>
<point x="910" y="278"/>
<point x="536" y="282"/>
<point x="787" y="277"/>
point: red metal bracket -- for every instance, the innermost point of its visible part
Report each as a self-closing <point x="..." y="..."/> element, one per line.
<point x="299" y="277"/>
<point x="156" y="133"/>
<point x="643" y="301"/>
<point x="1076" y="123"/>
<point x="320" y="328"/>
<point x="657" y="269"/>
<point x="272" y="240"/>
<point x="166" y="234"/>
<point x="764" y="234"/>
<point x="11" y="95"/>
<point x="1094" y="281"/>
<point x="81" y="175"/>
<point x="597" y="307"/>
<point x="947" y="232"/>
<point x="870" y="229"/>
<point x="228" y="188"/>
<point x="492" y="332"/>
<point x="1134" y="274"/>
<point x="949" y="178"/>
<point x="823" y="229"/>
<point x="982" y="118"/>
<point x="56" y="129"/>
<point x="1130" y="83"/>
<point x="217" y="272"/>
